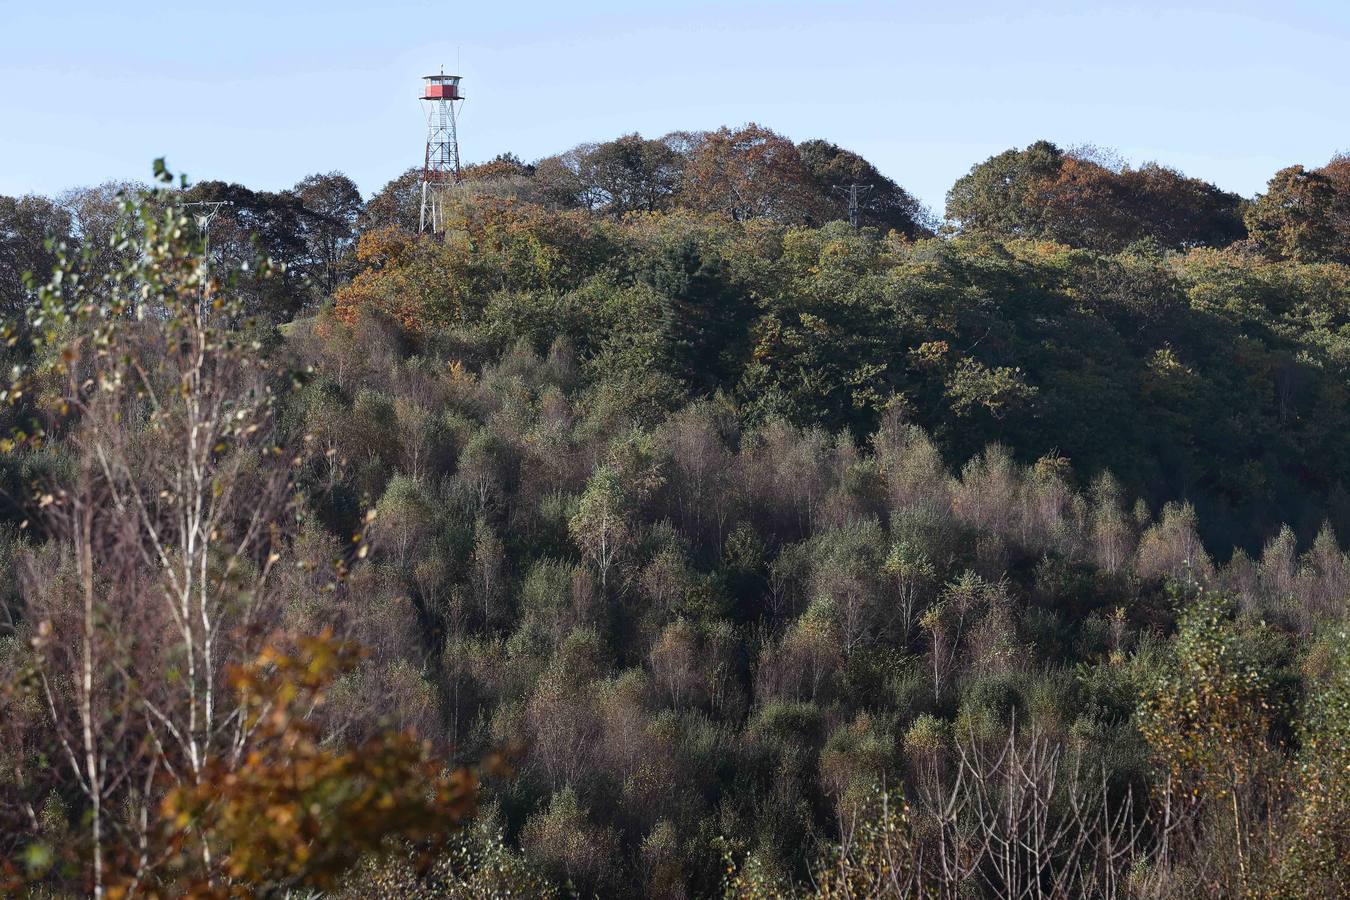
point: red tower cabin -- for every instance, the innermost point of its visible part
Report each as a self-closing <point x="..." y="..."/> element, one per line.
<point x="441" y="87"/>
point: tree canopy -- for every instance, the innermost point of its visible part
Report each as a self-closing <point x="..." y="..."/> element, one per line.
<point x="1069" y="197"/>
<point x="655" y="531"/>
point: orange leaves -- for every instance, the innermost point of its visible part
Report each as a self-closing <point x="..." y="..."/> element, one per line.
<point x="381" y="285"/>
<point x="384" y="246"/>
<point x="295" y="812"/>
<point x="749" y="173"/>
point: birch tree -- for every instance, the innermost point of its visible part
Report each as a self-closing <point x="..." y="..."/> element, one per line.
<point x="166" y="512"/>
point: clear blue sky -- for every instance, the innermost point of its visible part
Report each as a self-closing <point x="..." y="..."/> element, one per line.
<point x="265" y="93"/>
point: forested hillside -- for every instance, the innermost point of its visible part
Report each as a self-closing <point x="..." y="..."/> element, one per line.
<point x="655" y="532"/>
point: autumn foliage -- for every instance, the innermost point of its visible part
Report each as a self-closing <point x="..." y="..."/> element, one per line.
<point x="294" y="812"/>
<point x="791" y="556"/>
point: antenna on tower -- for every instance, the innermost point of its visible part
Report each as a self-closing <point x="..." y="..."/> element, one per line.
<point x="855" y="192"/>
<point x="440" y="95"/>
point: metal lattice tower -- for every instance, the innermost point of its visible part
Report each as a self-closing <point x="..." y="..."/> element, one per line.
<point x="855" y="193"/>
<point x="440" y="94"/>
<point x="204" y="212"/>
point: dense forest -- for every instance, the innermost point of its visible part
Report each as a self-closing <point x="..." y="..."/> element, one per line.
<point x="656" y="531"/>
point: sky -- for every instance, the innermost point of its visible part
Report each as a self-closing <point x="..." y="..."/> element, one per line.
<point x="265" y="93"/>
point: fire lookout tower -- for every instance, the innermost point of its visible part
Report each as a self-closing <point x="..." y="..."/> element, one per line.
<point x="440" y="94"/>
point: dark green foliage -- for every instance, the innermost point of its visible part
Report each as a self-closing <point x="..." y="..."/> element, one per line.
<point x="1000" y="194"/>
<point x="704" y="315"/>
<point x="30" y="227"/>
<point x="884" y="204"/>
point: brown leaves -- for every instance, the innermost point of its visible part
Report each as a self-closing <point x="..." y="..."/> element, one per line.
<point x="749" y="173"/>
<point x="292" y="811"/>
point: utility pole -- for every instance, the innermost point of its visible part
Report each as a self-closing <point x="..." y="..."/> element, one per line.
<point x="855" y="192"/>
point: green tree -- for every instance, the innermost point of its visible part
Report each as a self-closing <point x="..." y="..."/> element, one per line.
<point x="704" y="316"/>
<point x="27" y="226"/>
<point x="1317" y="862"/>
<point x="396" y="205"/>
<point x="885" y="204"/>
<point x="1003" y="193"/>
<point x="330" y="208"/>
<point x="1207" y="714"/>
<point x="634" y="174"/>
<point x="600" y="526"/>
<point x="1294" y="218"/>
